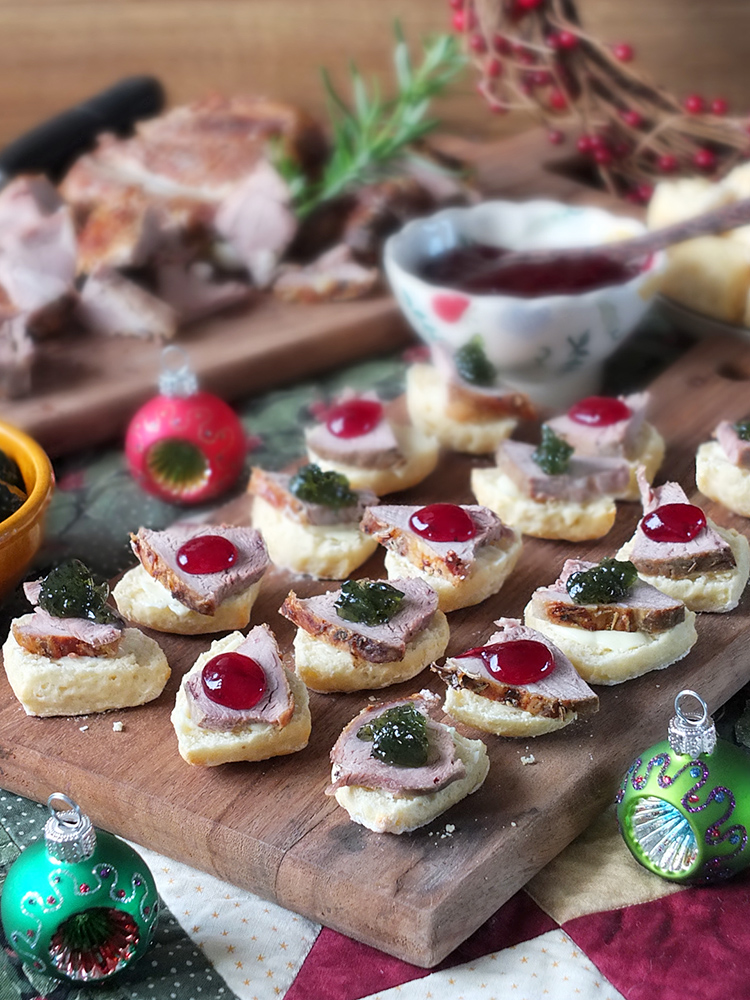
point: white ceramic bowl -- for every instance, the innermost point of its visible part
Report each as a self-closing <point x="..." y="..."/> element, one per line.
<point x="552" y="346"/>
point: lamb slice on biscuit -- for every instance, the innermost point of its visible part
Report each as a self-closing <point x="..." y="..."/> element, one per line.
<point x="275" y="489"/>
<point x="643" y="609"/>
<point x="617" y="438"/>
<point x="319" y="616"/>
<point x="395" y="767"/>
<point x="484" y="690"/>
<point x="375" y="447"/>
<point x="391" y="524"/>
<point x="201" y="592"/>
<point x="585" y="477"/>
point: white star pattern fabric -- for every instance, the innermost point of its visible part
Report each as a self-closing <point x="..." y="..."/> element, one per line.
<point x="548" y="966"/>
<point x="256" y="946"/>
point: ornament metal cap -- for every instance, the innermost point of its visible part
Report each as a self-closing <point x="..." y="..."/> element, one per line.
<point x="68" y="833"/>
<point x="176" y="378"/>
<point x="691" y="735"/>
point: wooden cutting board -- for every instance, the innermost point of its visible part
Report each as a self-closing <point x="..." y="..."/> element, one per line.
<point x="86" y="388"/>
<point x="269" y="827"/>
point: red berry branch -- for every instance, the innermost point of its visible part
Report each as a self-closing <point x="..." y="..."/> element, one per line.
<point x="534" y="55"/>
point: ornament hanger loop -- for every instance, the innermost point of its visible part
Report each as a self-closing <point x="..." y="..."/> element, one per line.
<point x="70" y="815"/>
<point x="176" y="378"/>
<point x="690" y="735"/>
<point x="690" y="720"/>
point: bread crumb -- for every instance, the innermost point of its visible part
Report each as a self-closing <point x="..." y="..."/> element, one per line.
<point x="531" y="759"/>
<point x="117" y="727"/>
<point x="83" y="728"/>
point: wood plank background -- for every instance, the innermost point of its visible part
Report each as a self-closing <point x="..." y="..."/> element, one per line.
<point x="56" y="52"/>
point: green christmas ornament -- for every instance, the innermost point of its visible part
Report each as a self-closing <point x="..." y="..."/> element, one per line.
<point x="684" y="804"/>
<point x="80" y="905"/>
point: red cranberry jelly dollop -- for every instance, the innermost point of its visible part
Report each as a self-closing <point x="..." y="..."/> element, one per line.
<point x="443" y="522"/>
<point x="206" y="554"/>
<point x="354" y="418"/>
<point x="599" y="411"/>
<point x="234" y="681"/>
<point x="517" y="661"/>
<point x="674" y="522"/>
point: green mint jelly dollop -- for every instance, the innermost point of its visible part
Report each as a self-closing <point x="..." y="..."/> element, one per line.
<point x="369" y="602"/>
<point x="553" y="454"/>
<point x="69" y="591"/>
<point x="473" y="365"/>
<point x="313" y="485"/>
<point x="399" y="736"/>
<point x="610" y="581"/>
<point x="743" y="429"/>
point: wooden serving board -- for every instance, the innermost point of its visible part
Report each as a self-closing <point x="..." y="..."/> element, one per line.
<point x="269" y="827"/>
<point x="86" y="388"/>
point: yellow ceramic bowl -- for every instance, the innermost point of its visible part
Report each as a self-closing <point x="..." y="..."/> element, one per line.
<point x="21" y="534"/>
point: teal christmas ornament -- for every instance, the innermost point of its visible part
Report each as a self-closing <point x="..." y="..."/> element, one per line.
<point x="81" y="904"/>
<point x="684" y="804"/>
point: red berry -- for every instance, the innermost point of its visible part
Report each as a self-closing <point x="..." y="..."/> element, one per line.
<point x="667" y="163"/>
<point x="456" y="4"/>
<point x="632" y="118"/>
<point x="558" y="100"/>
<point x="693" y="104"/>
<point x="555" y="136"/>
<point x="603" y="156"/>
<point x="464" y="20"/>
<point x="719" y="106"/>
<point x="705" y="159"/>
<point x="584" y="143"/>
<point x="623" y="52"/>
<point x="598" y="141"/>
<point x="566" y="40"/>
<point x="528" y="4"/>
<point x="502" y="45"/>
<point x="494" y="69"/>
<point x="477" y="44"/>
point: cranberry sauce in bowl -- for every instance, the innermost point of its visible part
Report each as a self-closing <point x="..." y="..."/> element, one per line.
<point x="469" y="268"/>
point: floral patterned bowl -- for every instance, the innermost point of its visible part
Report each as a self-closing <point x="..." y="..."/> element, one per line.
<point x="551" y="347"/>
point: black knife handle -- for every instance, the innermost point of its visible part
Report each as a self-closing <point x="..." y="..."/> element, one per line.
<point x="51" y="147"/>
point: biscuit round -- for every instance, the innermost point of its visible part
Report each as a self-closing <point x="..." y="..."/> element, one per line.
<point x="606" y="656"/>
<point x="560" y="519"/>
<point x="254" y="741"/>
<point x="427" y="399"/>
<point x="420" y="451"/>
<point x="326" y="668"/>
<point x="492" y="567"/>
<point x="649" y="454"/>
<point x="385" y="812"/>
<point x="325" y="551"/>
<point x="145" y="601"/>
<point x="721" y="480"/>
<point x="80" y="685"/>
<point x="719" y="591"/>
<point x="498" y="718"/>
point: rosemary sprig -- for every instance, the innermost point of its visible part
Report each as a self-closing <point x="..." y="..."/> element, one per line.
<point x="371" y="134"/>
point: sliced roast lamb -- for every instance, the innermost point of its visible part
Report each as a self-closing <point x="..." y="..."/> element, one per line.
<point x="616" y="440"/>
<point x="390" y="524"/>
<point x="555" y="696"/>
<point x="645" y="609"/>
<point x="736" y="449"/>
<point x="113" y="305"/>
<point x="273" y="487"/>
<point x="42" y="633"/>
<point x="201" y="592"/>
<point x="275" y="707"/>
<point x="375" y="643"/>
<point x="353" y="763"/>
<point x="333" y="277"/>
<point x="707" y="552"/>
<point x="586" y="478"/>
